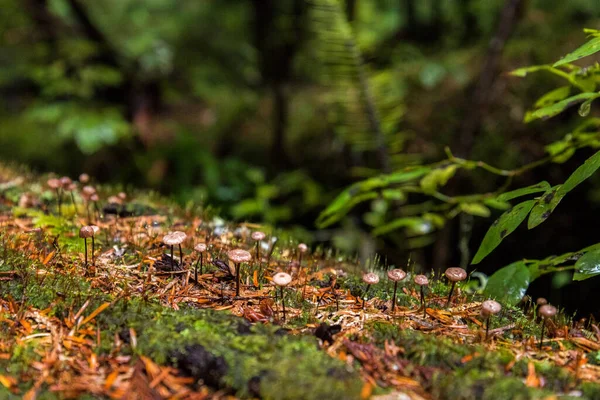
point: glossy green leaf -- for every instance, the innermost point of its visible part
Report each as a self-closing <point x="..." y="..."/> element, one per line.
<point x="544" y="207"/>
<point x="587" y="266"/>
<point x="557" y="108"/>
<point x="553" y="96"/>
<point x="509" y="284"/>
<point x="589" y="48"/>
<point x="513" y="194"/>
<point x="502" y="227"/>
<point x="584" y="171"/>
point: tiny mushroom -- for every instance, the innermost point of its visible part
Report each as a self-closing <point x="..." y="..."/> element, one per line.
<point x="302" y="248"/>
<point x="84" y="178"/>
<point x="96" y="229"/>
<point x="199" y="248"/>
<point x="86" y="232"/>
<point x="454" y="275"/>
<point x="282" y="279"/>
<point x="422" y="281"/>
<point x="258" y="236"/>
<point x="395" y="275"/>
<point x="489" y="308"/>
<point x="238" y="256"/>
<point x="54" y="184"/>
<point x="370" y="278"/>
<point x="546" y="311"/>
<point x="172" y="239"/>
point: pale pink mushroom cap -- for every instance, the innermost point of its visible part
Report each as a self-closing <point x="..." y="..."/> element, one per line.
<point x="421" y="280"/>
<point x="95" y="228"/>
<point x="396" y="275"/>
<point x="370" y="278"/>
<point x="490" y="307"/>
<point x="547" y="311"/>
<point x="239" y="256"/>
<point x="456" y="274"/>
<point x="84" y="178"/>
<point x="258" y="235"/>
<point x="174" y="238"/>
<point x="65" y="181"/>
<point x="282" y="279"/>
<point x="53" y="183"/>
<point x="200" y="247"/>
<point x="86" y="232"/>
<point x="303" y="248"/>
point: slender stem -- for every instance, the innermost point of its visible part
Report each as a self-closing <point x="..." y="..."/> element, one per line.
<point x="365" y="296"/>
<point x="59" y="199"/>
<point x="423" y="302"/>
<point x="74" y="203"/>
<point x="257" y="251"/>
<point x="394" y="296"/>
<point x="172" y="259"/>
<point x="487" y="328"/>
<point x="450" y="294"/>
<point x="237" y="280"/>
<point x="196" y="268"/>
<point x="93" y="250"/>
<point x="201" y="263"/>
<point x="180" y="255"/>
<point x="85" y="247"/>
<point x="542" y="335"/>
<point x="283" y="302"/>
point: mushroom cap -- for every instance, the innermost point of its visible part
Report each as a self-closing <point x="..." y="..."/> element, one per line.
<point x="421" y="280"/>
<point x="541" y="301"/>
<point x="72" y="187"/>
<point x="547" y="311"/>
<point x="84" y="178"/>
<point x="174" y="238"/>
<point x="370" y="278"/>
<point x="95" y="228"/>
<point x="239" y="256"/>
<point x="490" y="307"/>
<point x="53" y="183"/>
<point x="456" y="274"/>
<point x="258" y="235"/>
<point x="88" y="190"/>
<point x="282" y="279"/>
<point x="122" y="195"/>
<point x="94" y="197"/>
<point x="65" y="181"/>
<point x="200" y="247"/>
<point x="396" y="274"/>
<point x="303" y="248"/>
<point x="86" y="232"/>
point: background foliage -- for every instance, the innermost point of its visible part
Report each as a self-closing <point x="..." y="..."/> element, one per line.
<point x="388" y="126"/>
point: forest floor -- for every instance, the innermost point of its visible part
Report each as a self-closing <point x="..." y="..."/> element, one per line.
<point x="134" y="323"/>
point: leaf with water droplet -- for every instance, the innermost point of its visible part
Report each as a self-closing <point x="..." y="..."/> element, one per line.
<point x="587" y="266"/>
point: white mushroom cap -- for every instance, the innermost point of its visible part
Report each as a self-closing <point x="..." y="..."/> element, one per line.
<point x="200" y="247"/>
<point x="88" y="190"/>
<point x="174" y="238"/>
<point x="370" y="278"/>
<point x="456" y="274"/>
<point x="95" y="228"/>
<point x="258" y="235"/>
<point x="490" y="307"/>
<point x="547" y="311"/>
<point x="84" y="178"/>
<point x="421" y="280"/>
<point x="86" y="232"/>
<point x="282" y="279"/>
<point x="239" y="256"/>
<point x="53" y="183"/>
<point x="396" y="275"/>
<point x="303" y="248"/>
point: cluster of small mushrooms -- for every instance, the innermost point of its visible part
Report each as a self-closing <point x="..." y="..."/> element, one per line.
<point x="280" y="279"/>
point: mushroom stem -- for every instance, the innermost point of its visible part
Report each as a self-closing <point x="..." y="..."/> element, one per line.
<point x="59" y="199"/>
<point x="487" y="328"/>
<point x="283" y="302"/>
<point x="172" y="259"/>
<point x="196" y="267"/>
<point x="423" y="302"/>
<point x="450" y="294"/>
<point x="237" y="280"/>
<point x="93" y="250"/>
<point x="394" y="296"/>
<point x="74" y="203"/>
<point x="180" y="255"/>
<point x="85" y="247"/>
<point x="258" y="251"/>
<point x="365" y="296"/>
<point x="542" y="335"/>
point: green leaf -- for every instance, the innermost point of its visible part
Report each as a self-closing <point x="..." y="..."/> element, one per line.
<point x="502" y="227"/>
<point x="407" y="222"/>
<point x="544" y="207"/>
<point x="587" y="266"/>
<point x="513" y="194"/>
<point x="557" y="108"/>
<point x="553" y="96"/>
<point x="509" y="284"/>
<point x="582" y="173"/>
<point x="589" y="48"/>
<point x="476" y="209"/>
<point x="437" y="178"/>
